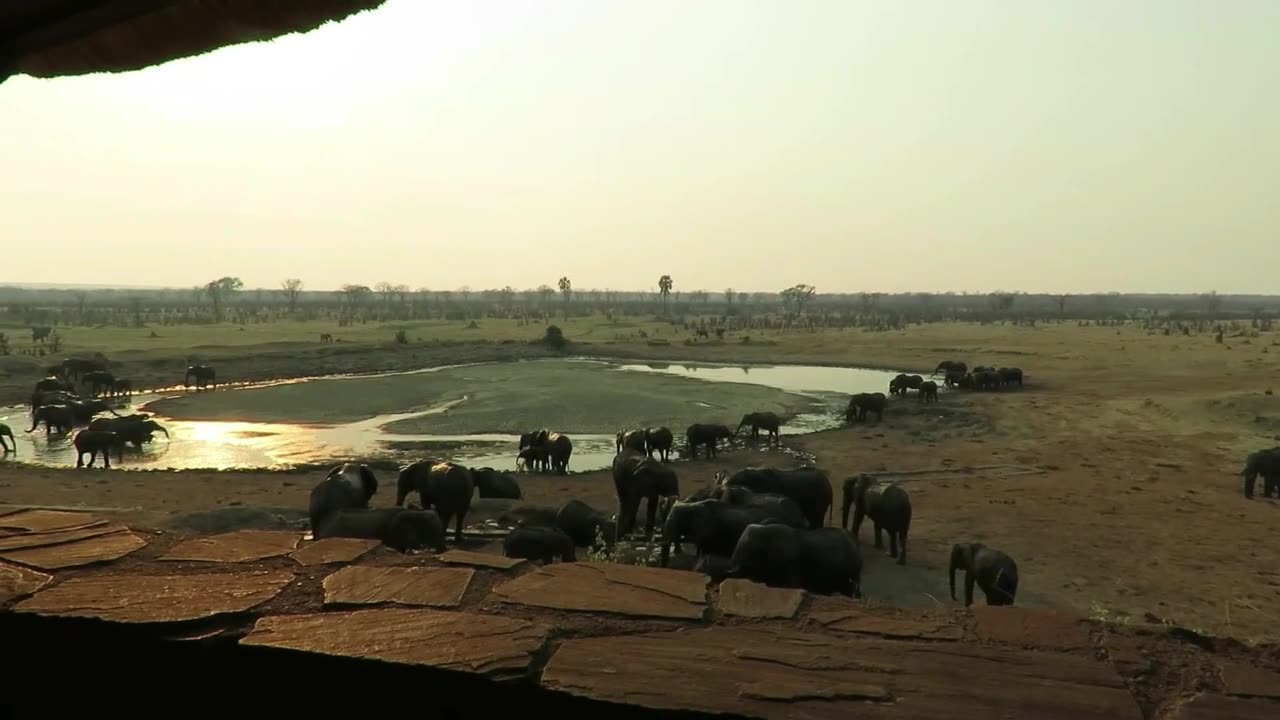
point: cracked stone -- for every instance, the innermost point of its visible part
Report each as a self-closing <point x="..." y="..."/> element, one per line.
<point x="1250" y="681"/>
<point x="621" y="589"/>
<point x="491" y="645"/>
<point x="22" y="541"/>
<point x="1220" y="707"/>
<point x="850" y="619"/>
<point x="365" y="585"/>
<point x="1033" y="628"/>
<point x="333" y="550"/>
<point x="235" y="547"/>
<point x="40" y="521"/>
<point x="102" y="548"/>
<point x="17" y="582"/>
<point x="753" y="600"/>
<point x="479" y="559"/>
<point x="156" y="598"/>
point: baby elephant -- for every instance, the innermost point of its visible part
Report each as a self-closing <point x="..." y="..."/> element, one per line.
<point x="889" y="509"/>
<point x="995" y="572"/>
<point x="584" y="524"/>
<point x="398" y="528"/>
<point x="536" y="543"/>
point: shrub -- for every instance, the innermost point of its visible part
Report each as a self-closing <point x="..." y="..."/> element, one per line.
<point x="402" y="338"/>
<point x="554" y="337"/>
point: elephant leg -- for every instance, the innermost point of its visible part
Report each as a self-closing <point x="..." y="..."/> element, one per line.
<point x="879" y="544"/>
<point x="968" y="588"/>
<point x="1248" y="486"/>
<point x="457" y="530"/>
<point x="651" y="516"/>
<point x="902" y="545"/>
<point x="106" y="458"/>
<point x="79" y="458"/>
<point x="893" y="544"/>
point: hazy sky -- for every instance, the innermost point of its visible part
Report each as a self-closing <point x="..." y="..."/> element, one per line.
<point x="1054" y="145"/>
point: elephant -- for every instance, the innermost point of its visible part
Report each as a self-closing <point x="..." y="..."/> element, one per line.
<point x="82" y="411"/>
<point x="12" y="445"/>
<point x="861" y="404"/>
<point x="538" y="543"/>
<point x="99" y="380"/>
<point x="705" y="434"/>
<point x="823" y="560"/>
<point x="666" y="502"/>
<point x="1009" y="376"/>
<point x="531" y="515"/>
<point x="203" y="374"/>
<point x="928" y="391"/>
<point x="398" y="528"/>
<point x="715" y="567"/>
<point x="585" y="525"/>
<point x="889" y="510"/>
<point x="900" y="384"/>
<point x="53" y="416"/>
<point x="985" y="380"/>
<point x="123" y="386"/>
<point x="659" y="439"/>
<point x="632" y="440"/>
<point x="132" y="429"/>
<point x="492" y="483"/>
<point x="75" y="368"/>
<point x="559" y="448"/>
<point x="714" y="526"/>
<point x="40" y="398"/>
<point x="532" y="459"/>
<point x="53" y="384"/>
<point x="349" y="486"/>
<point x="955" y="378"/>
<point x="1267" y="464"/>
<point x="637" y="477"/>
<point x="808" y="486"/>
<point x="447" y="487"/>
<point x="995" y="572"/>
<point x="950" y="366"/>
<point x="780" y="507"/>
<point x="533" y="438"/>
<point x="760" y="420"/>
<point x="92" y="442"/>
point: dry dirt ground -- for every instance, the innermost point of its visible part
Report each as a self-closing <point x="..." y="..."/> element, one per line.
<point x="1136" y="508"/>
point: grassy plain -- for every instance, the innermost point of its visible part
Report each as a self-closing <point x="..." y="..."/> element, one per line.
<point x="1138" y="438"/>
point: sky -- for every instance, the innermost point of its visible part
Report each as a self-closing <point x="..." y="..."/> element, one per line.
<point x="855" y="145"/>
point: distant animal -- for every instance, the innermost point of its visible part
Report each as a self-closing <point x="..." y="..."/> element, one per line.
<point x="538" y="543"/>
<point x="398" y="528"/>
<point x="984" y="380"/>
<point x="705" y="435"/>
<point x="445" y="487"/>
<point x="586" y="526"/>
<point x="93" y="442"/>
<point x="659" y="439"/>
<point x="758" y="421"/>
<point x="1009" y="376"/>
<point x="345" y="487"/>
<point x="40" y="334"/>
<point x="204" y="376"/>
<point x="1267" y="464"/>
<point x="633" y="439"/>
<point x="131" y="429"/>
<point x="12" y="445"/>
<point x="532" y="459"/>
<point x="122" y="387"/>
<point x="889" y="509"/>
<point x="929" y="391"/>
<point x="553" y="447"/>
<point x="900" y="384"/>
<point x="807" y="485"/>
<point x="636" y="478"/>
<point x="56" y="418"/>
<point x="98" y="381"/>
<point x="950" y="366"/>
<point x="492" y="483"/>
<point x="821" y="560"/>
<point x="326" y="337"/>
<point x="861" y="404"/>
<point x="995" y="573"/>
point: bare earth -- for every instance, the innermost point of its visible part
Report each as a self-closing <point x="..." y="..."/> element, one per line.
<point x="1136" y="508"/>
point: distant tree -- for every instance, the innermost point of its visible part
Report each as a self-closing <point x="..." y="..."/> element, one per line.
<point x="566" y="289"/>
<point x="355" y="295"/>
<point x="291" y="289"/>
<point x="1211" y="302"/>
<point x="402" y="293"/>
<point x="508" y="296"/>
<point x="220" y="292"/>
<point x="664" y="287"/>
<point x="545" y="292"/>
<point x="1001" y="301"/>
<point x="796" y="297"/>
<point x="1061" y="300"/>
<point x="700" y="295"/>
<point x="387" y="290"/>
<point x="729" y="294"/>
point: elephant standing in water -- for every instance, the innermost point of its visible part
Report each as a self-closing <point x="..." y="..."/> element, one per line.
<point x="551" y="448"/>
<point x="660" y="439"/>
<point x="12" y="445"/>
<point x="862" y="404"/>
<point x="53" y="416"/>
<point x="705" y="434"/>
<point x="92" y="442"/>
<point x="1267" y="464"/>
<point x="758" y="421"/>
<point x="447" y="487"/>
<point x="995" y="572"/>
<point x="133" y="429"/>
<point x="204" y="375"/>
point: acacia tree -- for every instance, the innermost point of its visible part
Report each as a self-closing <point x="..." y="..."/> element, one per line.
<point x="797" y="297"/>
<point x="291" y="289"/>
<point x="729" y="294"/>
<point x="220" y="292"/>
<point x="566" y="289"/>
<point x="664" y="287"/>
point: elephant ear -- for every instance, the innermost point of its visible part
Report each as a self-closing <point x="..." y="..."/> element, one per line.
<point x="369" y="481"/>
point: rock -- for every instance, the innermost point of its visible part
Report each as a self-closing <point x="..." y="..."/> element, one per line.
<point x="47" y="520"/>
<point x="365" y="585"/>
<point x="477" y="559"/>
<point x="762" y="672"/>
<point x="16" y="582"/>
<point x="156" y="598"/>
<point x="1250" y="681"/>
<point x="1219" y="707"/>
<point x="102" y="548"/>
<point x="621" y="589"/>
<point x="333" y="550"/>
<point x="19" y="541"/>
<point x="1031" y="628"/>
<point x="235" y="547"/>
<point x="753" y="600"/>
<point x="855" y="620"/>
<point x="490" y="645"/>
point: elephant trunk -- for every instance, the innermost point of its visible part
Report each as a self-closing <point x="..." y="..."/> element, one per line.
<point x="162" y="429"/>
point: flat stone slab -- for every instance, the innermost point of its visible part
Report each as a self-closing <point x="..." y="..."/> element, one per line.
<point x="102" y="548"/>
<point x="848" y="617"/>
<point x="490" y="645"/>
<point x="333" y="550"/>
<point x="621" y="589"/>
<point x="1250" y="681"/>
<point x="765" y="673"/>
<point x="236" y="547"/>
<point x="479" y="559"/>
<point x="39" y="521"/>
<point x="157" y="598"/>
<point x="19" y="541"/>
<point x="1219" y="707"/>
<point x="1031" y="628"/>
<point x="366" y="585"/>
<point x="753" y="600"/>
<point x="18" y="582"/>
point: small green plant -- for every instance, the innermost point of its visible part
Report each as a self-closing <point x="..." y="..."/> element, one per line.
<point x="402" y="338"/>
<point x="623" y="552"/>
<point x="1101" y="614"/>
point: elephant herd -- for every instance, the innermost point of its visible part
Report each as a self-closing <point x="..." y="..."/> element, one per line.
<point x="957" y="374"/>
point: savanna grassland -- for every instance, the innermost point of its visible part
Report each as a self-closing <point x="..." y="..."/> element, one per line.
<point x="1134" y="439"/>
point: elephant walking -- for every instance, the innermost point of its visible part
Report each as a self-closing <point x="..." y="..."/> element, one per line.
<point x="862" y="404"/>
<point x="950" y="366"/>
<point x="702" y="434"/>
<point x="550" y="449"/>
<point x="204" y="375"/>
<point x="1267" y="464"/>
<point x="758" y="421"/>
<point x="447" y="487"/>
<point x="659" y="439"/>
<point x="60" y="417"/>
<point x="635" y="478"/>
<point x="929" y="391"/>
<point x="12" y="445"/>
<point x="995" y="573"/>
<point x="92" y="442"/>
<point x="889" y="510"/>
<point x="900" y="384"/>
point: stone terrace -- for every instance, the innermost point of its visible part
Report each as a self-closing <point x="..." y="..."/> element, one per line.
<point x="662" y="640"/>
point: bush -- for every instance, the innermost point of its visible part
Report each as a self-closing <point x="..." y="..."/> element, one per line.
<point x="402" y="338"/>
<point x="554" y="337"/>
